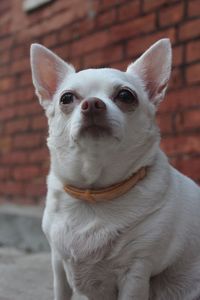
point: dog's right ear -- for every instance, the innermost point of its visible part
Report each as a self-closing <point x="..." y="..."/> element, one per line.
<point x="48" y="71"/>
<point x="154" y="68"/>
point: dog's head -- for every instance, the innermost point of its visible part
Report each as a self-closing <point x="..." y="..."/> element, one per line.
<point x="105" y="109"/>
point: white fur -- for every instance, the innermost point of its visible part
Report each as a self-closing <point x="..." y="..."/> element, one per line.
<point x="145" y="244"/>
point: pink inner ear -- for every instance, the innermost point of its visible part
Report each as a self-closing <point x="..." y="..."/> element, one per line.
<point x="154" y="67"/>
<point x="152" y="83"/>
<point x="154" y="72"/>
<point x="47" y="77"/>
<point x="154" y="90"/>
<point x="162" y="87"/>
<point x="48" y="71"/>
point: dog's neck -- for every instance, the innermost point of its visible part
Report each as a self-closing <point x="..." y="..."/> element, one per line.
<point x="108" y="193"/>
<point x="96" y="170"/>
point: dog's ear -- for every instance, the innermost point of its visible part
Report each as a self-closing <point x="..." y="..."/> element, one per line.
<point x="154" y="68"/>
<point x="48" y="71"/>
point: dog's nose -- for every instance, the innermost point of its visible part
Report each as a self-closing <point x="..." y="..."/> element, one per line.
<point x="93" y="105"/>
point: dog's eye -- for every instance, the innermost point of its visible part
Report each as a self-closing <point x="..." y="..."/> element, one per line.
<point x="127" y="97"/>
<point x="67" y="98"/>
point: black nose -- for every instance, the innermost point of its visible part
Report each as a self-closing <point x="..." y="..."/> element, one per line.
<point x="92" y="106"/>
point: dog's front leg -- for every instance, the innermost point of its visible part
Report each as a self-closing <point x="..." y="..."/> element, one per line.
<point x="134" y="285"/>
<point x="62" y="290"/>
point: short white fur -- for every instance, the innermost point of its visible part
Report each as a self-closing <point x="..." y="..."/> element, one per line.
<point x="145" y="244"/>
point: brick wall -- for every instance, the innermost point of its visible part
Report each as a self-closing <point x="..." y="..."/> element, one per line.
<point x="93" y="33"/>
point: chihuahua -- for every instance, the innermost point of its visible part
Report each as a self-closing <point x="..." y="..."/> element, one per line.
<point x="121" y="222"/>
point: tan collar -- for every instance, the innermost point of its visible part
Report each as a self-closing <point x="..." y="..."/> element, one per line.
<point x="109" y="193"/>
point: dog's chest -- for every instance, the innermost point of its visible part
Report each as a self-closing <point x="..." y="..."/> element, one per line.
<point x="77" y="239"/>
<point x="85" y="253"/>
<point x="91" y="278"/>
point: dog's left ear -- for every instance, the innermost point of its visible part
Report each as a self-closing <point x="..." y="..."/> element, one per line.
<point x="48" y="71"/>
<point x="154" y="68"/>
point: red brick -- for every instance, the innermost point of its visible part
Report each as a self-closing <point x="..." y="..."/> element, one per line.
<point x="129" y="10"/>
<point x="6" y="43"/>
<point x="24" y="79"/>
<point x="193" y="8"/>
<point x="15" y="157"/>
<point x="140" y="44"/>
<point x="105" y="57"/>
<point x="62" y="51"/>
<point x="20" y="51"/>
<point x="106" y="18"/>
<point x="36" y="189"/>
<point x="181" y="145"/>
<point x="39" y="122"/>
<point x="190" y="166"/>
<point x="25" y="94"/>
<point x="11" y="188"/>
<point x="27" y="109"/>
<point x="76" y="62"/>
<point x="121" y="65"/>
<point x="153" y="4"/>
<point x="26" y="172"/>
<point x="20" y="65"/>
<point x="105" y="4"/>
<point x="184" y="98"/>
<point x="189" y="30"/>
<point x="193" y="51"/>
<point x="19" y="125"/>
<point x="187" y="120"/>
<point x="132" y="28"/>
<point x="39" y="155"/>
<point x="6" y="84"/>
<point x="50" y="40"/>
<point x="4" y="71"/>
<point x="90" y="43"/>
<point x="57" y="21"/>
<point x="79" y="29"/>
<point x="7" y="113"/>
<point x="4" y="57"/>
<point x="56" y="7"/>
<point x="193" y="74"/>
<point x="5" y="25"/>
<point x="164" y="122"/>
<point x="94" y="8"/>
<point x="5" y="5"/>
<point x="27" y="141"/>
<point x="177" y="55"/>
<point x="176" y="79"/>
<point x="171" y="15"/>
<point x="66" y="33"/>
<point x="4" y="173"/>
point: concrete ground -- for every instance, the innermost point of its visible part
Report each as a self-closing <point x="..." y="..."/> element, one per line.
<point x="25" y="264"/>
<point x="25" y="276"/>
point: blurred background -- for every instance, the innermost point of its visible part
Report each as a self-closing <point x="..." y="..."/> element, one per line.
<point x="92" y="33"/>
<point x="87" y="33"/>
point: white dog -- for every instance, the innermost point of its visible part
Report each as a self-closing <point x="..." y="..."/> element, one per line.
<point x="121" y="222"/>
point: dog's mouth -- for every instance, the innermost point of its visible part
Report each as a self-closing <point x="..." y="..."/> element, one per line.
<point x="95" y="127"/>
<point x="95" y="130"/>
